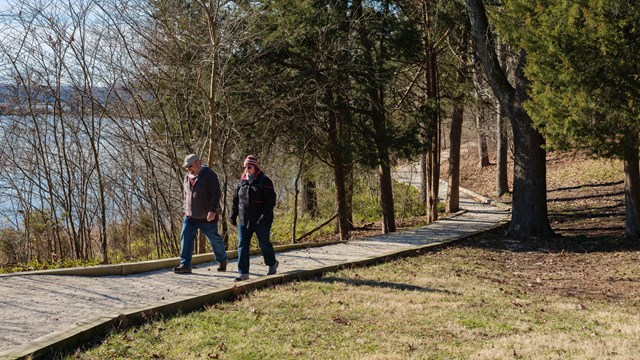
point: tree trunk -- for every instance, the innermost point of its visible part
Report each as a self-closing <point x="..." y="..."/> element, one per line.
<point x="433" y="181"/>
<point x="483" y="148"/>
<point x="384" y="167"/>
<point x="309" y="198"/>
<point x="433" y="116"/>
<point x="295" y="199"/>
<point x="433" y="163"/>
<point x="502" y="182"/>
<point x="631" y="186"/>
<point x="386" y="199"/>
<point x="455" y="135"/>
<point x="423" y="178"/>
<point x="349" y="184"/>
<point x="529" y="206"/>
<point x="339" y="175"/>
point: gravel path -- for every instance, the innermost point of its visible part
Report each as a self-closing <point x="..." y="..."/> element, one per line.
<point x="32" y="306"/>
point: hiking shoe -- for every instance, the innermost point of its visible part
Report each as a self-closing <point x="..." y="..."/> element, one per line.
<point x="241" y="277"/>
<point x="182" y="270"/>
<point x="273" y="268"/>
<point x="222" y="266"/>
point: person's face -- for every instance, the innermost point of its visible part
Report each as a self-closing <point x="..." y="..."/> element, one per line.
<point x="250" y="169"/>
<point x="194" y="169"/>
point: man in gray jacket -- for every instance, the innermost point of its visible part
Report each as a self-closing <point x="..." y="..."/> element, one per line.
<point x="201" y="201"/>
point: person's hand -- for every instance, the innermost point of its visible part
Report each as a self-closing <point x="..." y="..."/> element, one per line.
<point x="212" y="216"/>
<point x="261" y="220"/>
<point x="233" y="221"/>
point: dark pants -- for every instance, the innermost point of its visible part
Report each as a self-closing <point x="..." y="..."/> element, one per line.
<point x="244" y="243"/>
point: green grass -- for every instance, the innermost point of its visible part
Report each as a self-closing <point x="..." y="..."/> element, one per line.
<point x="453" y="304"/>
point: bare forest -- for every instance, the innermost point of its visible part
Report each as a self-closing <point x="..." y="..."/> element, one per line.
<point x="101" y="100"/>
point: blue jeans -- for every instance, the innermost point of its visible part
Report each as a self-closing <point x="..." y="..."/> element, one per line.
<point x="244" y="243"/>
<point x="210" y="230"/>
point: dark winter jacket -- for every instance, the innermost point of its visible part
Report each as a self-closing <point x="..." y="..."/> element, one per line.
<point x="253" y="202"/>
<point x="203" y="196"/>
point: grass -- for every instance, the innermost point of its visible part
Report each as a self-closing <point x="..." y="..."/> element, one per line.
<point x="458" y="303"/>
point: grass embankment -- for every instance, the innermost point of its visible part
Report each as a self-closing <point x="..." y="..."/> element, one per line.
<point x="489" y="297"/>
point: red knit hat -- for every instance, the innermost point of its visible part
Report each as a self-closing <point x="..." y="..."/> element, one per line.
<point x="251" y="160"/>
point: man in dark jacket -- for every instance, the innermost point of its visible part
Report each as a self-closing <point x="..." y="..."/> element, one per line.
<point x="201" y="201"/>
<point x="253" y="203"/>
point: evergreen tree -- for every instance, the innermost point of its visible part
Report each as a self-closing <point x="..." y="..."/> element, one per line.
<point x="584" y="70"/>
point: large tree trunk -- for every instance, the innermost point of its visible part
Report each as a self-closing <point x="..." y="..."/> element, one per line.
<point x="344" y="227"/>
<point x="631" y="186"/>
<point x="455" y="134"/>
<point x="386" y="199"/>
<point x="432" y="119"/>
<point x="529" y="206"/>
<point x="502" y="181"/>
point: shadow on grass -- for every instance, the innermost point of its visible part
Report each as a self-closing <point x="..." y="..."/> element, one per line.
<point x="585" y="186"/>
<point x="498" y="240"/>
<point x="586" y="197"/>
<point x="384" y="285"/>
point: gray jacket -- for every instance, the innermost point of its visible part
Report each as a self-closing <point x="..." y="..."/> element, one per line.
<point x="203" y="196"/>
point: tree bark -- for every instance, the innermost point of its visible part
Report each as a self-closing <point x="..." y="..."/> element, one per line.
<point x="433" y="119"/>
<point x="455" y="135"/>
<point x="340" y="177"/>
<point x="631" y="186"/>
<point x="309" y="198"/>
<point x="483" y="148"/>
<point x="529" y="206"/>
<point x="295" y="198"/>
<point x="502" y="181"/>
<point x="423" y="178"/>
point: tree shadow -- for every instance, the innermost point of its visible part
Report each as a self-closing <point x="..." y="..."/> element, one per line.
<point x="613" y="183"/>
<point x="586" y="197"/>
<point x="384" y="285"/>
<point x="498" y="240"/>
<point x="584" y="214"/>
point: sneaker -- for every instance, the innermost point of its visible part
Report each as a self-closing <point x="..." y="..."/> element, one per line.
<point x="273" y="268"/>
<point x="222" y="266"/>
<point x="182" y="270"/>
<point x="241" y="277"/>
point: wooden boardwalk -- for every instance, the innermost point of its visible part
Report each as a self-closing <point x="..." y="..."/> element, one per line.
<point x="43" y="311"/>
